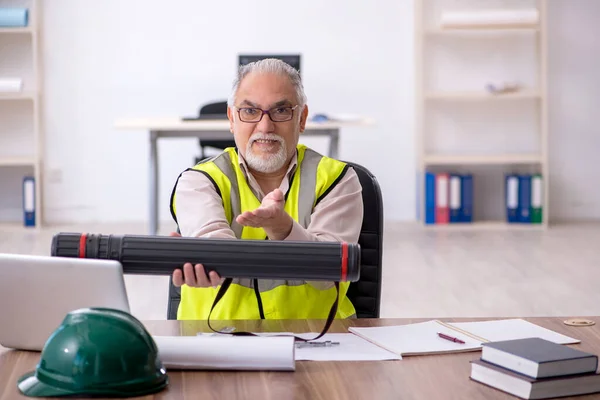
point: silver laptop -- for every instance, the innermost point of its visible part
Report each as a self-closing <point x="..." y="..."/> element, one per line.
<point x="37" y="292"/>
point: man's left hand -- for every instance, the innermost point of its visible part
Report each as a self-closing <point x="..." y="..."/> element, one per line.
<point x="270" y="216"/>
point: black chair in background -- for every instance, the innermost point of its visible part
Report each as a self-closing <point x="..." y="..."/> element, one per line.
<point x="365" y="294"/>
<point x="214" y="111"/>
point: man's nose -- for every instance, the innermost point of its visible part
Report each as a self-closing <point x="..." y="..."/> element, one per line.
<point x="265" y="124"/>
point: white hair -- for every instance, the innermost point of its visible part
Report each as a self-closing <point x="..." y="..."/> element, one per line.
<point x="273" y="66"/>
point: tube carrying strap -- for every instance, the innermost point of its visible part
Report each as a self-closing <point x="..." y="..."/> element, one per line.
<point x="227" y="282"/>
<point x="258" y="299"/>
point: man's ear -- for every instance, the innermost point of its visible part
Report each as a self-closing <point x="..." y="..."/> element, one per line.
<point x="230" y="116"/>
<point x="303" y="118"/>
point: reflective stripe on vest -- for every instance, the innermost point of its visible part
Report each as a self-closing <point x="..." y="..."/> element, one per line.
<point x="315" y="176"/>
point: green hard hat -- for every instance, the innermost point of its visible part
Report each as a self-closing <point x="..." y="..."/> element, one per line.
<point x="97" y="352"/>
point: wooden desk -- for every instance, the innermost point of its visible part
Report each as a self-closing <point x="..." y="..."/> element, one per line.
<point x="210" y="130"/>
<point x="423" y="377"/>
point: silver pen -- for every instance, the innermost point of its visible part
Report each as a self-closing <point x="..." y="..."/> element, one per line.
<point x="327" y="343"/>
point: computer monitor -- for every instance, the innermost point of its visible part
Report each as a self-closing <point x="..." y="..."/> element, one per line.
<point x="291" y="59"/>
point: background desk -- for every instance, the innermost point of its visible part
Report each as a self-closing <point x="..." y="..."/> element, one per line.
<point x="210" y="130"/>
<point x="424" y="377"/>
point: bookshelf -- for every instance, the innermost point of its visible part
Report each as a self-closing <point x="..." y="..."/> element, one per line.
<point x="461" y="126"/>
<point x="21" y="147"/>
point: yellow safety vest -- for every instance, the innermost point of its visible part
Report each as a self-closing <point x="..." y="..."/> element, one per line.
<point x="315" y="176"/>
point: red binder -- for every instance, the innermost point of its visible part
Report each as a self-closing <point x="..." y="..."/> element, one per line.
<point x="442" y="196"/>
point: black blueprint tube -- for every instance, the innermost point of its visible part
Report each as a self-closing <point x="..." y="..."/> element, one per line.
<point x="230" y="258"/>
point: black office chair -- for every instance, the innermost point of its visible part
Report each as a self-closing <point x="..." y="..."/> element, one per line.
<point x="216" y="110"/>
<point x="365" y="294"/>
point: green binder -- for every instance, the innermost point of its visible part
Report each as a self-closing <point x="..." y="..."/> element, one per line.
<point x="536" y="199"/>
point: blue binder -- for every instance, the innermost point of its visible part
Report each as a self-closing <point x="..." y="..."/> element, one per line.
<point x="524" y="214"/>
<point x="13" y="17"/>
<point x="511" y="198"/>
<point x="29" y="201"/>
<point x="429" y="198"/>
<point x="467" y="198"/>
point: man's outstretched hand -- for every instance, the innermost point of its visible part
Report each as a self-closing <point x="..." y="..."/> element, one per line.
<point x="194" y="275"/>
<point x="270" y="216"/>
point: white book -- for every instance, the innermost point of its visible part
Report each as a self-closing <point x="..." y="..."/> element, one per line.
<point x="10" y="85"/>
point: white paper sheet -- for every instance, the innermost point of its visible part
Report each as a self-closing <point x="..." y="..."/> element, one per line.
<point x="509" y="329"/>
<point x="350" y="348"/>
<point x="225" y="352"/>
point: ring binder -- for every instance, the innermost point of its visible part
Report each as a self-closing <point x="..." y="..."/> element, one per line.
<point x="29" y="201"/>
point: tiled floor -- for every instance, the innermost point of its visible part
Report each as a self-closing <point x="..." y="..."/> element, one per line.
<point x="426" y="273"/>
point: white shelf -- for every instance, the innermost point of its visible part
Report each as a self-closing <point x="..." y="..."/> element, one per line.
<point x="483" y="159"/>
<point x="461" y="58"/>
<point x="17" y="161"/>
<point x="27" y="30"/>
<point x="17" y="96"/>
<point x="482" y="96"/>
<point x="482" y="32"/>
<point x="485" y="226"/>
<point x="23" y="45"/>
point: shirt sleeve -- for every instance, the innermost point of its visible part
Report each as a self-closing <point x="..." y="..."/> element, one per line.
<point x="199" y="206"/>
<point x="336" y="218"/>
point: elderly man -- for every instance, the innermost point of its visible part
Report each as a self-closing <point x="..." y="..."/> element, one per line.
<point x="268" y="187"/>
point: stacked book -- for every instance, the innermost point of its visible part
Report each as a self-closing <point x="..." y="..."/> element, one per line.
<point x="535" y="368"/>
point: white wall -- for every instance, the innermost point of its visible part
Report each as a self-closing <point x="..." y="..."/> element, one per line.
<point x="112" y="59"/>
<point x="574" y="100"/>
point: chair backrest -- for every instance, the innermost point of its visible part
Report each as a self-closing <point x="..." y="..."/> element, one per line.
<point x="219" y="107"/>
<point x="365" y="294"/>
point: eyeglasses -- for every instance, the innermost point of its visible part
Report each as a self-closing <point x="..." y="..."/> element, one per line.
<point x="277" y="114"/>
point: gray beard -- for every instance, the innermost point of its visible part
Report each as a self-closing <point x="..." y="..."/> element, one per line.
<point x="269" y="164"/>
